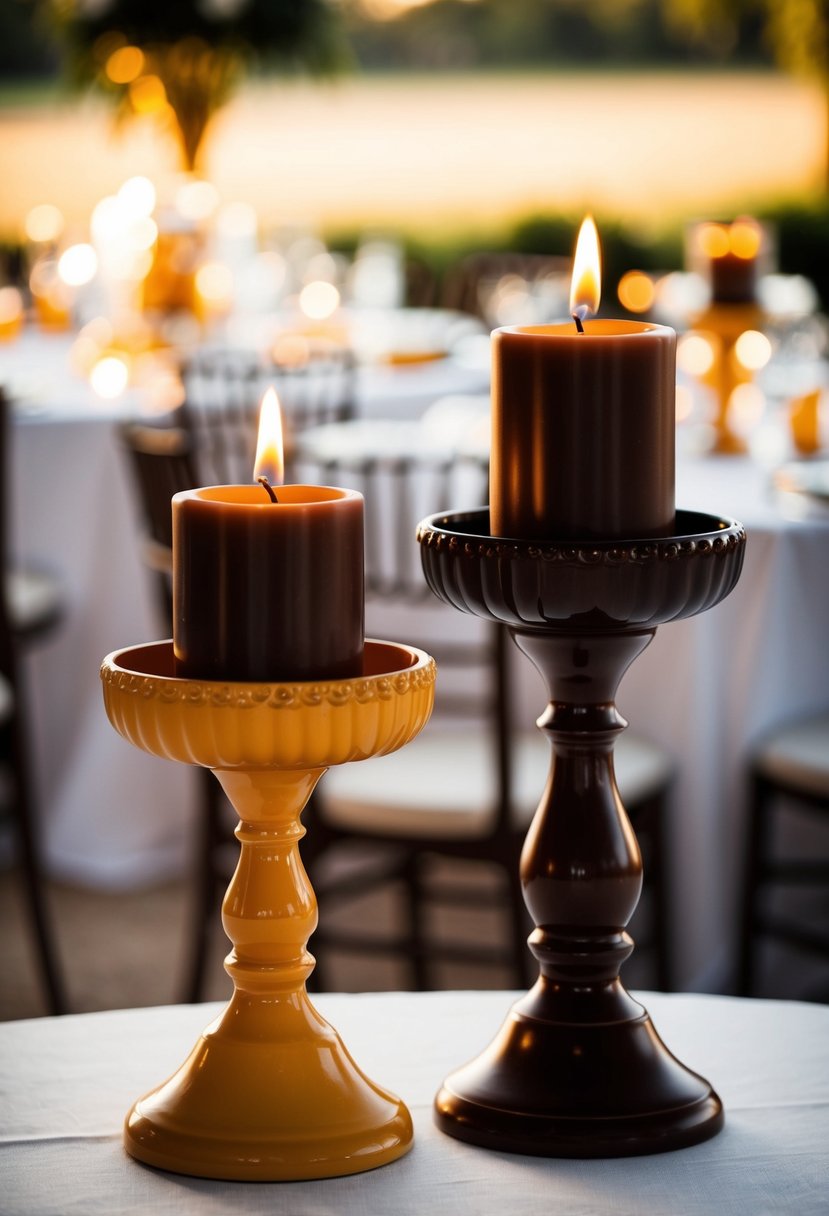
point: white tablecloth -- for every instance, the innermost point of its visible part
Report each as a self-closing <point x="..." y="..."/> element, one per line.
<point x="66" y="1084"/>
<point x="705" y="688"/>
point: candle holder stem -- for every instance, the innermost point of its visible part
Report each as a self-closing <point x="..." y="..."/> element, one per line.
<point x="581" y="869"/>
<point x="269" y="911"/>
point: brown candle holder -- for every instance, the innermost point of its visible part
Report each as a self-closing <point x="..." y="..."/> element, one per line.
<point x="578" y="1069"/>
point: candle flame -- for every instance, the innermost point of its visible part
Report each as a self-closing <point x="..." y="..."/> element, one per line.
<point x="586" y="284"/>
<point x="269" y="460"/>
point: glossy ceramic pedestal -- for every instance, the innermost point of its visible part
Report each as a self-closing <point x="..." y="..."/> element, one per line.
<point x="578" y="1069"/>
<point x="269" y="1092"/>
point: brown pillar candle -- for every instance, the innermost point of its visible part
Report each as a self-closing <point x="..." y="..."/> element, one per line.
<point x="268" y="586"/>
<point x="730" y="255"/>
<point x="268" y="591"/>
<point x="583" y="431"/>
<point x="583" y="420"/>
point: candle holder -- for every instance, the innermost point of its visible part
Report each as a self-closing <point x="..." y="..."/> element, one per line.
<point x="726" y="323"/>
<point x="269" y="1092"/>
<point x="578" y="1069"/>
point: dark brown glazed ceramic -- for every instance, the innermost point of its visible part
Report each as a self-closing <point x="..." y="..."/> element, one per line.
<point x="578" y="1070"/>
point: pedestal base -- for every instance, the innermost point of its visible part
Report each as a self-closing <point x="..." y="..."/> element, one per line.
<point x="570" y="1089"/>
<point x="293" y="1106"/>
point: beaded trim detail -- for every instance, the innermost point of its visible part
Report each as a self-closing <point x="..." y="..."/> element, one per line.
<point x="668" y="550"/>
<point x="269" y="696"/>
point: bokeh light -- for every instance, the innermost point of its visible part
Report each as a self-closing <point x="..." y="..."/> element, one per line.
<point x="695" y="354"/>
<point x="44" y="223"/>
<point x="148" y="95"/>
<point x="636" y="291"/>
<point x="684" y="402"/>
<point x="745" y="407"/>
<point x="237" y="220"/>
<point x="745" y="238"/>
<point x="11" y="305"/>
<point x="78" y="265"/>
<point x="110" y="376"/>
<point x="196" y="200"/>
<point x="137" y="196"/>
<point x="713" y="240"/>
<point x="214" y="283"/>
<point x="752" y="350"/>
<point x="125" y="64"/>
<point x="319" y="300"/>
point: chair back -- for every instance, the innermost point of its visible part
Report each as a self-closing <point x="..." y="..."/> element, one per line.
<point x="315" y="383"/>
<point x="162" y="463"/>
<point x="472" y="654"/>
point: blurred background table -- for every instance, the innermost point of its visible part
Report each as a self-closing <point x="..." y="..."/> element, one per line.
<point x="116" y="818"/>
<point x="70" y="1081"/>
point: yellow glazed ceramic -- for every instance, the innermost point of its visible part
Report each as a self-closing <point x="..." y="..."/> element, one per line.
<point x="269" y="1092"/>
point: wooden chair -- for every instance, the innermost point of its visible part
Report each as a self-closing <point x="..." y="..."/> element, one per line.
<point x="315" y="382"/>
<point x="30" y="609"/>
<point x="789" y="775"/>
<point x="162" y="462"/>
<point x="467" y="787"/>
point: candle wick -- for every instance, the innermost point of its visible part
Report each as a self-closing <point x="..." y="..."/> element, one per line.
<point x="263" y="481"/>
<point x="579" y="325"/>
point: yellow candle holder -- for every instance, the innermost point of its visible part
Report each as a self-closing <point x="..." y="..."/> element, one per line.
<point x="269" y="1092"/>
<point x="724" y="324"/>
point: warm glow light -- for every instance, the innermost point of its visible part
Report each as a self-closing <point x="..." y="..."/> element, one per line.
<point x="695" y="354"/>
<point x="109" y="377"/>
<point x="148" y="95"/>
<point x="11" y="305"/>
<point x="214" y="283"/>
<point x="636" y="291"/>
<point x="77" y="265"/>
<point x="319" y="300"/>
<point x="269" y="459"/>
<point x="745" y="239"/>
<point x="745" y="407"/>
<point x="44" y="223"/>
<point x="196" y="200"/>
<point x="713" y="240"/>
<point x="45" y="283"/>
<point x="107" y="221"/>
<point x="125" y="64"/>
<point x="142" y="233"/>
<point x="290" y="350"/>
<point x="586" y="284"/>
<point x="752" y="350"/>
<point x="237" y="221"/>
<point x="137" y="197"/>
<point x="684" y="402"/>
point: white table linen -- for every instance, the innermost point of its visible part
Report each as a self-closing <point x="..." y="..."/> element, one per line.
<point x="67" y="1083"/>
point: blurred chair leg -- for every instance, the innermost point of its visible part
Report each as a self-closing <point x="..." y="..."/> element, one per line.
<point x="520" y="929"/>
<point x="415" y="899"/>
<point x="24" y="811"/>
<point x="755" y="854"/>
<point x="655" y="815"/>
<point x="207" y="884"/>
